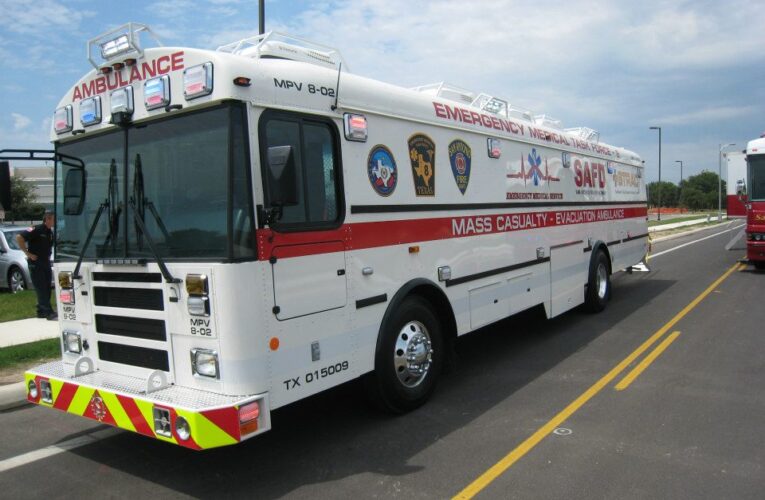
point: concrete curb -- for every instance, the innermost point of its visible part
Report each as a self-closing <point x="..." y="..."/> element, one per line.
<point x="13" y="396"/>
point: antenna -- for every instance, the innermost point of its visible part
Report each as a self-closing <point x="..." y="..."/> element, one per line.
<point x="337" y="87"/>
<point x="261" y="16"/>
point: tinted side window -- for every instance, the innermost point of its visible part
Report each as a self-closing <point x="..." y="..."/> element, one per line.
<point x="316" y="159"/>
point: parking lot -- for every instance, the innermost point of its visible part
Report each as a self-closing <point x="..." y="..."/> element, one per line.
<point x="659" y="396"/>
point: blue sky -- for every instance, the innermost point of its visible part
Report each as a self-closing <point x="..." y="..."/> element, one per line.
<point x="694" y="68"/>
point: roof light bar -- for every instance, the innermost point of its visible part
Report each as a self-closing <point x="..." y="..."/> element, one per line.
<point x="90" y="111"/>
<point x="198" y="81"/>
<point x="156" y="92"/>
<point x="118" y="43"/>
<point x="122" y="100"/>
<point x="113" y="48"/>
<point x="62" y="119"/>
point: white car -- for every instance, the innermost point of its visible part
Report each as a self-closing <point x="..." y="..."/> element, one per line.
<point x="14" y="272"/>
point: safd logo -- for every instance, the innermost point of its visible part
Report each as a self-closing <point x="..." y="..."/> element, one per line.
<point x="459" y="157"/>
<point x="422" y="153"/>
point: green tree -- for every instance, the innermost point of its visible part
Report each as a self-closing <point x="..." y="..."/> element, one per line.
<point x="24" y="201"/>
<point x="700" y="192"/>
<point x="668" y="191"/>
<point x="693" y="199"/>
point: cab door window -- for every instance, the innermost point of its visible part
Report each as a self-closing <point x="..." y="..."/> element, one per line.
<point x="314" y="146"/>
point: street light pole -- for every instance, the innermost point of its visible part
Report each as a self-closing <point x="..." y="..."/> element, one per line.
<point x="659" y="184"/>
<point x="719" y="179"/>
<point x="681" y="178"/>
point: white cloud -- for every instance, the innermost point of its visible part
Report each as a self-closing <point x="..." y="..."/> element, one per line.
<point x="709" y="114"/>
<point x="20" y="122"/>
<point x="40" y="17"/>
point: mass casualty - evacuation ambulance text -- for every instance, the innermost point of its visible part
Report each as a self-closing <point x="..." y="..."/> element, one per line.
<point x="241" y="228"/>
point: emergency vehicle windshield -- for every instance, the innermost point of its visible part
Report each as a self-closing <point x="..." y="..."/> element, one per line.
<point x="185" y="176"/>
<point x="756" y="177"/>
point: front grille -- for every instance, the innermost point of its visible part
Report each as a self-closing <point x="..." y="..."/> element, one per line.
<point x="132" y="298"/>
<point x="129" y="277"/>
<point x="139" y="328"/>
<point x="144" y="357"/>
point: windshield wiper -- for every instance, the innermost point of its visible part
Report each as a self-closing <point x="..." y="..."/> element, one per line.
<point x="141" y="203"/>
<point x="138" y="202"/>
<point x="107" y="204"/>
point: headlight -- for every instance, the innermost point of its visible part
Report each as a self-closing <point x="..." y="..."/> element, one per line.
<point x="758" y="237"/>
<point x="32" y="389"/>
<point x="199" y="306"/>
<point x="72" y="342"/>
<point x="182" y="428"/>
<point x="204" y="362"/>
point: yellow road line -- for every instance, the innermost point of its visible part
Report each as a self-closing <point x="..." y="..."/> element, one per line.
<point x="508" y="460"/>
<point x="635" y="373"/>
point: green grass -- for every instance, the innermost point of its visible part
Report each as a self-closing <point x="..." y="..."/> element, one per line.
<point x="25" y="354"/>
<point x="672" y="220"/>
<point x="20" y="305"/>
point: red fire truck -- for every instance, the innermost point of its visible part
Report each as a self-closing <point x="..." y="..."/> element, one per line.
<point x="755" y="219"/>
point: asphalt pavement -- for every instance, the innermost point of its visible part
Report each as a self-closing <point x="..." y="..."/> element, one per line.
<point x="527" y="414"/>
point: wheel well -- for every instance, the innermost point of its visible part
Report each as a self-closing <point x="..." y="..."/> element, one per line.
<point x="442" y="308"/>
<point x="601" y="247"/>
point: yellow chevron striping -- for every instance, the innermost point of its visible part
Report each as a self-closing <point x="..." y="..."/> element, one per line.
<point x="80" y="400"/>
<point x="205" y="433"/>
<point x="117" y="411"/>
<point x="56" y="386"/>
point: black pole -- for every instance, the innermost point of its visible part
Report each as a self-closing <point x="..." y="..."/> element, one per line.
<point x="261" y="16"/>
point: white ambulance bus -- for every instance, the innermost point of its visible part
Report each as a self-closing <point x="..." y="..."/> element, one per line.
<point x="242" y="228"/>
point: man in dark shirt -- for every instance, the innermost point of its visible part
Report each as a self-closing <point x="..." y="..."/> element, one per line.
<point x="36" y="243"/>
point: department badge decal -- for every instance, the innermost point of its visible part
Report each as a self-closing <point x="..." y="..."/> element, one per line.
<point x="459" y="157"/>
<point x="422" y="154"/>
<point x="382" y="170"/>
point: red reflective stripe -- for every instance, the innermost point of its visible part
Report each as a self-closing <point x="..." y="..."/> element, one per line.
<point x="65" y="396"/>
<point x="225" y="418"/>
<point x="135" y="415"/>
<point x="362" y="235"/>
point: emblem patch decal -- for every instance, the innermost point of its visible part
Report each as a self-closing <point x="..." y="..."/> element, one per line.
<point x="422" y="153"/>
<point x="459" y="157"/>
<point x="98" y="407"/>
<point x="382" y="170"/>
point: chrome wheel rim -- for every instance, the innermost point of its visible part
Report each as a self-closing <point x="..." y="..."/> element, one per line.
<point x="16" y="281"/>
<point x="601" y="280"/>
<point x="413" y="354"/>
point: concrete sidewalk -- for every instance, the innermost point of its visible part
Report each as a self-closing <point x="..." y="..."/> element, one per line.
<point x="18" y="332"/>
<point x="24" y="331"/>
<point x="675" y="225"/>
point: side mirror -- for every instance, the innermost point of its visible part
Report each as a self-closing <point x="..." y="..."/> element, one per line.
<point x="74" y="191"/>
<point x="282" y="177"/>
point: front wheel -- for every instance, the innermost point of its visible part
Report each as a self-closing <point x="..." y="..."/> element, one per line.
<point x="598" y="284"/>
<point x="759" y="265"/>
<point x="408" y="359"/>
<point x="16" y="281"/>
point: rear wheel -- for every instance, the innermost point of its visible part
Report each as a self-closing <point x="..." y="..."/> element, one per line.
<point x="16" y="281"/>
<point x="408" y="359"/>
<point x="759" y="265"/>
<point x="598" y="283"/>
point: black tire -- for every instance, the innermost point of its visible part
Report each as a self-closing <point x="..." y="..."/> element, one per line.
<point x="398" y="385"/>
<point x="16" y="281"/>
<point x="598" y="283"/>
<point x="759" y="265"/>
